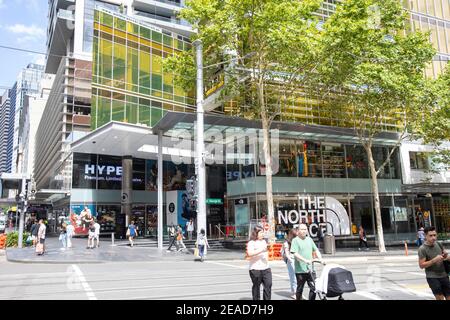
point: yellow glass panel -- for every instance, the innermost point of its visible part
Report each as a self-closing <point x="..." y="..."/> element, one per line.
<point x="133" y="38"/>
<point x="444" y="46"/>
<point x="106" y="29"/>
<point x="119" y="33"/>
<point x="430" y="7"/>
<point x="156" y="64"/>
<point x="446" y="5"/>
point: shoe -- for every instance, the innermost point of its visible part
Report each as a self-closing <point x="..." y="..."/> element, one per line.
<point x="359" y="249"/>
<point x="88" y="247"/>
<point x="294" y="297"/>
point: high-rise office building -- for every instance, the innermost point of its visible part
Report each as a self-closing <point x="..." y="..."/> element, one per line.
<point x="5" y="124"/>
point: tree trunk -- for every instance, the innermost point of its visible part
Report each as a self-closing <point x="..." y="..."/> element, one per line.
<point x="376" y="196"/>
<point x="269" y="192"/>
<point x="268" y="160"/>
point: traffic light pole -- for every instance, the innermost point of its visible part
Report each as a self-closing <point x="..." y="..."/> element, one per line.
<point x="201" y="173"/>
<point x="23" y="199"/>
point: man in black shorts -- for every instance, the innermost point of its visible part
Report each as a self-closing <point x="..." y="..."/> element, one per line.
<point x="431" y="258"/>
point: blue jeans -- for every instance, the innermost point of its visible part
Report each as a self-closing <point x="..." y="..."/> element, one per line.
<point x="292" y="277"/>
<point x="201" y="250"/>
<point x="63" y="240"/>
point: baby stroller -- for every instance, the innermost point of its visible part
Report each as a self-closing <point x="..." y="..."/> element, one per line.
<point x="334" y="281"/>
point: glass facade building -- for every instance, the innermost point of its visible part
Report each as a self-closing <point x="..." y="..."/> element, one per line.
<point x="129" y="83"/>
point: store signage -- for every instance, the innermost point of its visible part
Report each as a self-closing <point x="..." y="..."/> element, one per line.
<point x="236" y="175"/>
<point x="324" y="212"/>
<point x="214" y="201"/>
<point x="101" y="170"/>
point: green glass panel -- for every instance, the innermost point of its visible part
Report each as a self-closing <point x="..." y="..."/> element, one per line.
<point x="118" y="109"/>
<point x="107" y="19"/>
<point x="104" y="111"/>
<point x="96" y="16"/>
<point x="146" y="33"/>
<point x="157" y="36"/>
<point x="156" y="114"/>
<point x="131" y="113"/>
<point x="120" y="24"/>
<point x="156" y="81"/>
<point x="144" y="71"/>
<point x="144" y="114"/>
<point x="94" y="112"/>
<point x="168" y="41"/>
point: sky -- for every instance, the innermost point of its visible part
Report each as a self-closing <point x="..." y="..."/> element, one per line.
<point x="23" y="24"/>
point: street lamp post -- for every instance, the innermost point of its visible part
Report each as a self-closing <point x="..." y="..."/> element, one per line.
<point x="200" y="154"/>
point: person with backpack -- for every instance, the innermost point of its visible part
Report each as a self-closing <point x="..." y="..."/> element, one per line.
<point x="290" y="261"/>
<point x="131" y="233"/>
<point x="201" y="244"/>
<point x="259" y="269"/>
<point x="436" y="262"/>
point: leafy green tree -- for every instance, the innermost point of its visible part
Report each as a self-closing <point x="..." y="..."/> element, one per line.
<point x="271" y="46"/>
<point x="373" y="71"/>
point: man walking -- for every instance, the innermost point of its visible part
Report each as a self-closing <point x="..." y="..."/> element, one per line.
<point x="431" y="258"/>
<point x="97" y="233"/>
<point x="173" y="238"/>
<point x="305" y="252"/>
<point x="70" y="233"/>
<point x="190" y="228"/>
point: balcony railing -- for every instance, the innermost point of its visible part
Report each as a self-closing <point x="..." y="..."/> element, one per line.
<point x="162" y="18"/>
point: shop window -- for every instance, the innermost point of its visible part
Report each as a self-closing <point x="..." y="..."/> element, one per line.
<point x="109" y="172"/>
<point x="356" y="162"/>
<point x="287" y="159"/>
<point x="419" y="160"/>
<point x="138" y="174"/>
<point x="333" y="161"/>
<point x="362" y="214"/>
<point x="84" y="174"/>
<point x="380" y="155"/>
<point x="309" y="160"/>
<point x="107" y="216"/>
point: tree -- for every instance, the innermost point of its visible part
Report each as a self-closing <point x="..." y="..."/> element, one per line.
<point x="432" y="125"/>
<point x="274" y="45"/>
<point x="373" y="72"/>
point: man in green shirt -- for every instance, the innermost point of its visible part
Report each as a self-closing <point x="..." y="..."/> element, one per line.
<point x="305" y="251"/>
<point x="431" y="258"/>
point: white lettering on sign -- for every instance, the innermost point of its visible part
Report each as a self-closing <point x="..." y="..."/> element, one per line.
<point x="89" y="169"/>
<point x="318" y="212"/>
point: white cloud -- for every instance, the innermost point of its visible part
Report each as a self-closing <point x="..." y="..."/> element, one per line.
<point x="30" y="31"/>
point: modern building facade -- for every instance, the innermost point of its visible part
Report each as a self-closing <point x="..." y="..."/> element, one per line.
<point x="28" y="82"/>
<point x="98" y="138"/>
<point x="5" y="141"/>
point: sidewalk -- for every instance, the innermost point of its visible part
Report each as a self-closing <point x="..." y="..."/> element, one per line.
<point x="120" y="253"/>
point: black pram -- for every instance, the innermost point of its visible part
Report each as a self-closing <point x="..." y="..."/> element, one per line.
<point x="334" y="281"/>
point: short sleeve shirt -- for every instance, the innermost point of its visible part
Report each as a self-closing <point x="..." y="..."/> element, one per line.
<point x="427" y="252"/>
<point x="260" y="261"/>
<point x="305" y="248"/>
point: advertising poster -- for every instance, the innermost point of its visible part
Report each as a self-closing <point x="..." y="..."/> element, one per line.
<point x="172" y="208"/>
<point x="77" y="211"/>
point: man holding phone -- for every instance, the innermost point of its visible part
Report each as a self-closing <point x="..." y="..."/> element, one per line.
<point x="431" y="258"/>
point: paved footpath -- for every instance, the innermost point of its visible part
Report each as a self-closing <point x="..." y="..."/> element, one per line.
<point x="123" y="272"/>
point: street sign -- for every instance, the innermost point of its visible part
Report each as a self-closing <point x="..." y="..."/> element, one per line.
<point x="214" y="201"/>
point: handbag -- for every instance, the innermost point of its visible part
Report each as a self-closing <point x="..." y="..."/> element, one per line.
<point x="196" y="252"/>
<point x="128" y="232"/>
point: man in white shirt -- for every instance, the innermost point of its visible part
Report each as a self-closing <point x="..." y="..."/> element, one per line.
<point x="70" y="232"/>
<point x="97" y="233"/>
<point x="190" y="228"/>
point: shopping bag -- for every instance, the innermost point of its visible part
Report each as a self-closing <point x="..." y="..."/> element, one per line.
<point x="196" y="252"/>
<point x="39" y="248"/>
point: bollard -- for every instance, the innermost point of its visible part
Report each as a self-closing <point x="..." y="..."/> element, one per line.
<point x="406" y="249"/>
<point x="112" y="238"/>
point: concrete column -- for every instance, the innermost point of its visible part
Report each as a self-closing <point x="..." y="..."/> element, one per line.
<point x="160" y="192"/>
<point x="127" y="187"/>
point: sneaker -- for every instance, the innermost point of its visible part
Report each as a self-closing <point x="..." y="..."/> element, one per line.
<point x="294" y="297"/>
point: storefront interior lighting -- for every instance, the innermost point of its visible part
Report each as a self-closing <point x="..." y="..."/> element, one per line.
<point x="167" y="151"/>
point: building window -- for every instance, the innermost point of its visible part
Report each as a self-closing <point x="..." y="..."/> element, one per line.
<point x="419" y="160"/>
<point x="356" y="162"/>
<point x="333" y="161"/>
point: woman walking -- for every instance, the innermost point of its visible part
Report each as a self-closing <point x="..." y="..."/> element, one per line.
<point x="180" y="237"/>
<point x="63" y="236"/>
<point x="362" y="238"/>
<point x="260" y="271"/>
<point x="131" y="233"/>
<point x="201" y="244"/>
<point x="289" y="260"/>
